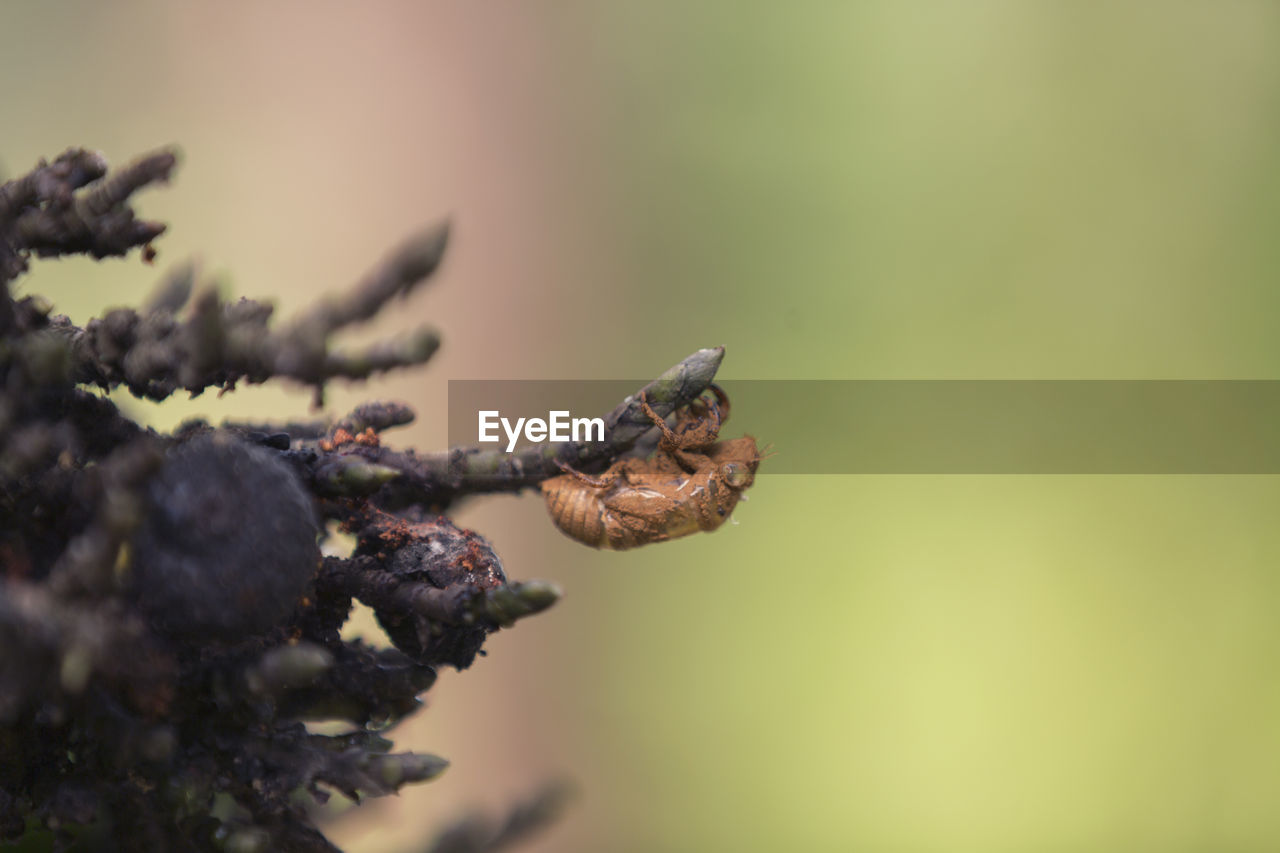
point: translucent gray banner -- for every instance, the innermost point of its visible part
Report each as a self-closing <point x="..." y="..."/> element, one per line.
<point x="947" y="427"/>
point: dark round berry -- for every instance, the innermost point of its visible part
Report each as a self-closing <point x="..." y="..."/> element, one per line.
<point x="228" y="544"/>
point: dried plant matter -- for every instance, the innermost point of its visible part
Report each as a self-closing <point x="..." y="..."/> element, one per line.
<point x="691" y="483"/>
<point x="167" y="621"/>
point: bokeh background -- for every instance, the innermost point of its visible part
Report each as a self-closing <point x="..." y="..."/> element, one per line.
<point x="880" y="189"/>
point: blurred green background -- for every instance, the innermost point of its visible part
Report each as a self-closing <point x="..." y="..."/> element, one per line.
<point x="831" y="190"/>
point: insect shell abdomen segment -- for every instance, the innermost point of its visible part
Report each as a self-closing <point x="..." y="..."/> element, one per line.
<point x="576" y="510"/>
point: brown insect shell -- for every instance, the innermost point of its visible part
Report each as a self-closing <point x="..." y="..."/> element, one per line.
<point x="654" y="500"/>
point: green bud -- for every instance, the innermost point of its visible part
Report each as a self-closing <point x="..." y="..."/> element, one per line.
<point x="407" y="767"/>
<point x="249" y="839"/>
<point x="77" y="666"/>
<point x="353" y="477"/>
<point x="287" y="667"/>
<point x="509" y="602"/>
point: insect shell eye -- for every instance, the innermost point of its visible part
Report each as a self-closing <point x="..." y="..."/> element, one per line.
<point x="735" y="474"/>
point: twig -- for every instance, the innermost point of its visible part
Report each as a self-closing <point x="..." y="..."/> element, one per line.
<point x="478" y="834"/>
<point x="153" y="354"/>
<point x="71" y="170"/>
<point x="95" y="221"/>
<point x="378" y="416"/>
<point x="43" y="212"/>
<point x="435" y="479"/>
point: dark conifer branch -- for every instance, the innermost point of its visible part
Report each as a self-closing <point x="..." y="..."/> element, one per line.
<point x="674" y="389"/>
<point x="436" y="479"/>
<point x="166" y="619"/>
<point x="412" y="263"/>
<point x="376" y="416"/>
<point x="217" y="344"/>
<point x="68" y="207"/>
